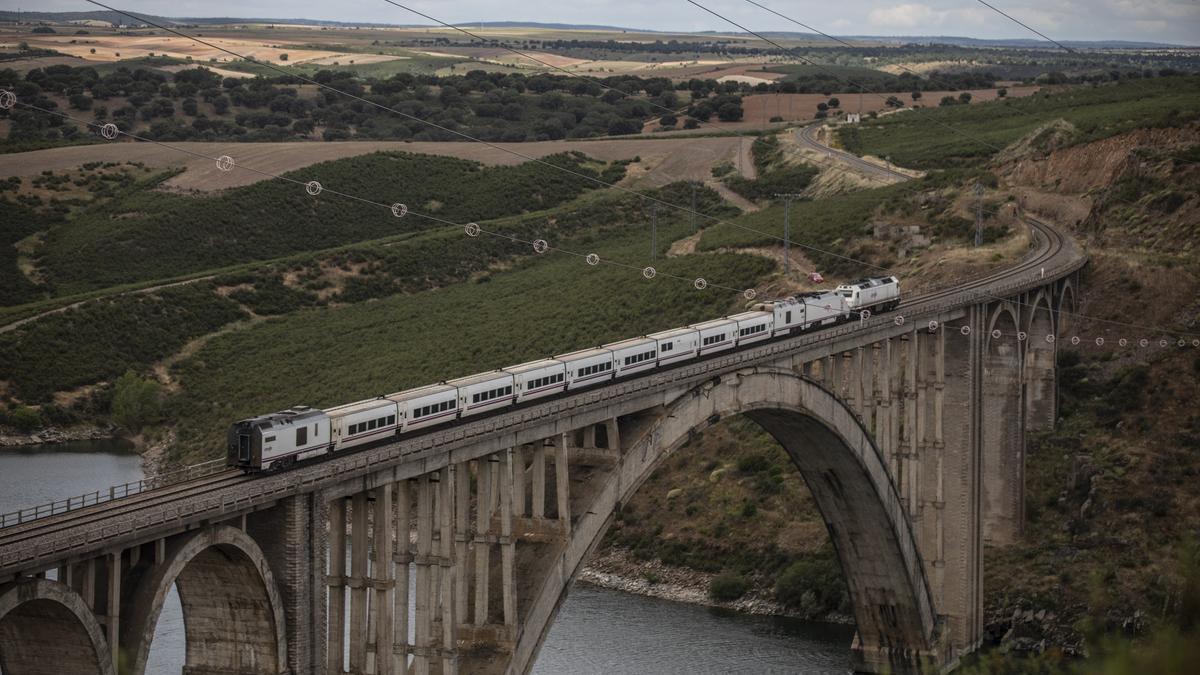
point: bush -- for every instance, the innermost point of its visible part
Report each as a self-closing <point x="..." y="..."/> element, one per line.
<point x="727" y="586"/>
<point x="812" y="584"/>
<point x="25" y="419"/>
<point x="753" y="463"/>
<point x="135" y="401"/>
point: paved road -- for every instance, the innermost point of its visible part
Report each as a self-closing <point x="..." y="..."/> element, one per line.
<point x="807" y="136"/>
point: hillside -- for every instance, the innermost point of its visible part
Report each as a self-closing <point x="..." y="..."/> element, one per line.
<point x="1112" y="503"/>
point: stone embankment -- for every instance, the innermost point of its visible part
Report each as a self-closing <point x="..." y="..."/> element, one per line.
<point x="10" y="439"/>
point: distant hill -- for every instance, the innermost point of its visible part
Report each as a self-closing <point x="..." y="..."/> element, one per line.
<point x="117" y="19"/>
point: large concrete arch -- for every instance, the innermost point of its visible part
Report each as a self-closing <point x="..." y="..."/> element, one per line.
<point x="1003" y="429"/>
<point x="898" y="629"/>
<point x="46" y="628"/>
<point x="232" y="611"/>
<point x="1040" y="388"/>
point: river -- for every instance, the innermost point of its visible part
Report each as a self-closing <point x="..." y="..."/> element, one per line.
<point x="597" y="631"/>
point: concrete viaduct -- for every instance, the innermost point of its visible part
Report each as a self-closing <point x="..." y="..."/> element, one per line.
<point x="450" y="551"/>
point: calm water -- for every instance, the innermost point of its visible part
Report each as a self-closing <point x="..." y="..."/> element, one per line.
<point x="597" y="630"/>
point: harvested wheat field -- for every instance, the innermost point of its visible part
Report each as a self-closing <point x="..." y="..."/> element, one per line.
<point x="662" y="160"/>
<point x="119" y="47"/>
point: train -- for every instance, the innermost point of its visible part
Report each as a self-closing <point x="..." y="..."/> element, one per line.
<point x="280" y="439"/>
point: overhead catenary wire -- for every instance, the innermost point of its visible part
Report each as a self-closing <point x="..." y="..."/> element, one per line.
<point x="861" y="88"/>
<point x="651" y="198"/>
<point x="322" y="189"/>
<point x="621" y="188"/>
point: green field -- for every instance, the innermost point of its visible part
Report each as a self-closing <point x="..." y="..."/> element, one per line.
<point x="152" y="234"/>
<point x="962" y="135"/>
<point x="544" y="305"/>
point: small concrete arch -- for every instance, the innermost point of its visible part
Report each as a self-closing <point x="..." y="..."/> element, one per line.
<point x="232" y="611"/>
<point x="1040" y="356"/>
<point x="39" y="617"/>
<point x="1067" y="306"/>
<point x="1005" y="318"/>
<point x="898" y="626"/>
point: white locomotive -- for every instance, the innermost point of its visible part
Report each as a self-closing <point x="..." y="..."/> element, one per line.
<point x="280" y="439"/>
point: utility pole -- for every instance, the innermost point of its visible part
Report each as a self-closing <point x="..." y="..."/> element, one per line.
<point x="694" y="230"/>
<point x="653" y="232"/>
<point x="978" y="215"/>
<point x="787" y="198"/>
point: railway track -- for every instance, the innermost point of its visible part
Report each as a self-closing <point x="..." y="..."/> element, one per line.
<point x="1048" y="246"/>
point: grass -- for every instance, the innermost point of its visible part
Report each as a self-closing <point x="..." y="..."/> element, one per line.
<point x="825" y="224"/>
<point x="150" y="234"/>
<point x="968" y="135"/>
<point x="544" y="305"/>
<point x="103" y="339"/>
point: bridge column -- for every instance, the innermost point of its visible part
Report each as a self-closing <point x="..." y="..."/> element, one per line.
<point x="401" y="558"/>
<point x="381" y="573"/>
<point x="462" y="516"/>
<point x="508" y="548"/>
<point x="336" y="651"/>
<point x="562" y="484"/>
<point x="449" y="569"/>
<point x="112" y="619"/>
<point x="482" y="547"/>
<point x="1003" y="429"/>
<point x="959" y="594"/>
<point x="424" y="619"/>
<point x="358" y="583"/>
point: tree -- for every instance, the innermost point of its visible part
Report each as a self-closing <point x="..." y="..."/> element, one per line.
<point x="1001" y="92"/>
<point x="822" y="106"/>
<point x="730" y="112"/>
<point x="894" y="102"/>
<point x="81" y="101"/>
<point x="283" y="57"/>
<point x="135" y="401"/>
<point x="691" y="123"/>
<point x="965" y="97"/>
<point x="948" y="100"/>
<point x="916" y="95"/>
<point x="668" y="120"/>
<point x="834" y="103"/>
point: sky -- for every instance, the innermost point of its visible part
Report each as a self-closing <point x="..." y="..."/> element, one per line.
<point x="1172" y="21"/>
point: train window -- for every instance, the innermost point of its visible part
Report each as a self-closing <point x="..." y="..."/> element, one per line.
<point x="668" y="346"/>
<point x="268" y="439"/>
<point x="391" y="419"/>
<point x="787" y="317"/>
<point x="301" y="436"/>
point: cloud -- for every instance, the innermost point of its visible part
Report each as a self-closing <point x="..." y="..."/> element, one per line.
<point x="906" y="16"/>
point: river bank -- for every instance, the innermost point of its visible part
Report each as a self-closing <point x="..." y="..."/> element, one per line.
<point x="14" y="439"/>
<point x="617" y="569"/>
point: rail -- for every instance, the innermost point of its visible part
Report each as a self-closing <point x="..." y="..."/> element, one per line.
<point x="112" y="493"/>
<point x="984" y="290"/>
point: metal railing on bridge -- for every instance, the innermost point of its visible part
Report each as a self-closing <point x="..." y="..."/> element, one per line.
<point x="112" y="493"/>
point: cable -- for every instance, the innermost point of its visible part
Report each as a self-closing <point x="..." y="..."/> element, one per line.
<point x="539" y="245"/>
<point x="1031" y="30"/>
<point x="494" y="146"/>
<point x="522" y="155"/>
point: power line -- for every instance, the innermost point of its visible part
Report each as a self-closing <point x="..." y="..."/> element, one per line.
<point x="315" y="188"/>
<point x="539" y="161"/>
<point x="468" y="137"/>
<point x="1028" y="28"/>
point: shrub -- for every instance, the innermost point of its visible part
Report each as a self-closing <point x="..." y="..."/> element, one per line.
<point x="727" y="586"/>
<point x="135" y="401"/>
<point x="753" y="463"/>
<point x="25" y="419"/>
<point x="812" y="584"/>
